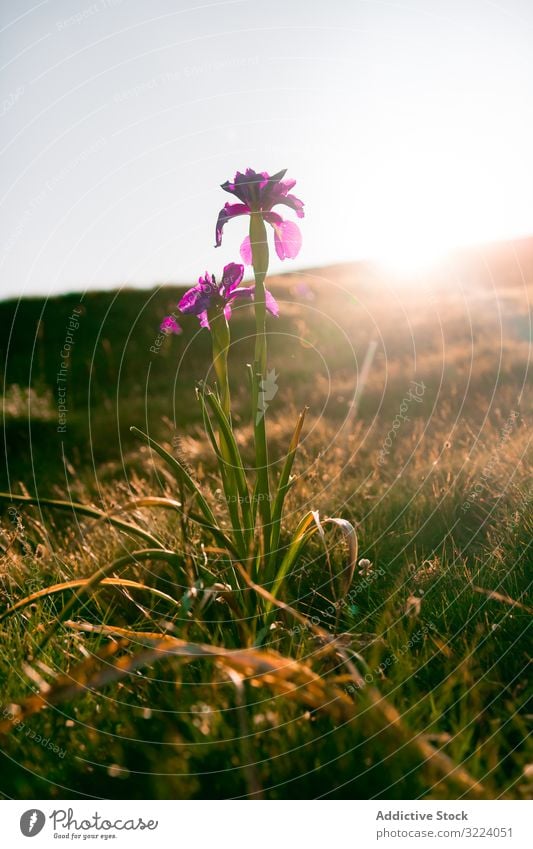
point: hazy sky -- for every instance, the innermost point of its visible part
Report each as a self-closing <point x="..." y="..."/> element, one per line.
<point x="408" y="125"/>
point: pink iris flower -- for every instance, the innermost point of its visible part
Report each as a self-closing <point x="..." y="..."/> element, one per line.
<point x="208" y="294"/>
<point x="259" y="192"/>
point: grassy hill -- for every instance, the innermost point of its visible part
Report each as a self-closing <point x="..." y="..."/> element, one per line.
<point x="417" y="432"/>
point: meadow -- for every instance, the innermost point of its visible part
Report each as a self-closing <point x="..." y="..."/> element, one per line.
<point x="176" y="678"/>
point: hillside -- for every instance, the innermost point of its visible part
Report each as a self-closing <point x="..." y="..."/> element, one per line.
<point x="417" y="432"/>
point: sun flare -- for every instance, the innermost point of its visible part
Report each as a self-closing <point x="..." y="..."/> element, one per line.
<point x="411" y="253"/>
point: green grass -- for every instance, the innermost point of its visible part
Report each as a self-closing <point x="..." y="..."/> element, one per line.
<point x="450" y="659"/>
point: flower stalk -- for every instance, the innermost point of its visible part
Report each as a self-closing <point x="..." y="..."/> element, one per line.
<point x="221" y="341"/>
<point x="259" y="248"/>
<point x="212" y="301"/>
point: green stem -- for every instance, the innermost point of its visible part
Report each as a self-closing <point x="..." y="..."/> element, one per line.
<point x="259" y="245"/>
<point x="258" y="241"/>
<point x="221" y="341"/>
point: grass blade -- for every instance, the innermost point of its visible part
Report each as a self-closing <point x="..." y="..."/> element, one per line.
<point x="181" y="472"/>
<point x="83" y="510"/>
<point x="382" y="713"/>
<point x="300" y="537"/>
<point x="82" y="582"/>
<point x="147" y="501"/>
<point x="353" y="545"/>
<point x="98" y="576"/>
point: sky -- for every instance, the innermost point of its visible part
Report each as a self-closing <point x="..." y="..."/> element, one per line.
<point x="407" y="125"/>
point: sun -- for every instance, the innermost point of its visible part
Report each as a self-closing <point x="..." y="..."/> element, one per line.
<point x="424" y="194"/>
<point x="417" y="217"/>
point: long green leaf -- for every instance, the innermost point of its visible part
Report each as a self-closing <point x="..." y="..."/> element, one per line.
<point x="228" y="481"/>
<point x="284" y="485"/>
<point x="237" y="467"/>
<point x="300" y="537"/>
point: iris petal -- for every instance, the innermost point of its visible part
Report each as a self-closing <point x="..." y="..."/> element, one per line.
<point x="271" y="303"/>
<point x="228" y="211"/>
<point x="242" y="292"/>
<point x="260" y="192"/>
<point x="195" y="300"/>
<point x="294" y="203"/>
<point x="246" y="251"/>
<point x="287" y="239"/>
<point x="204" y="321"/>
<point x="231" y="277"/>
